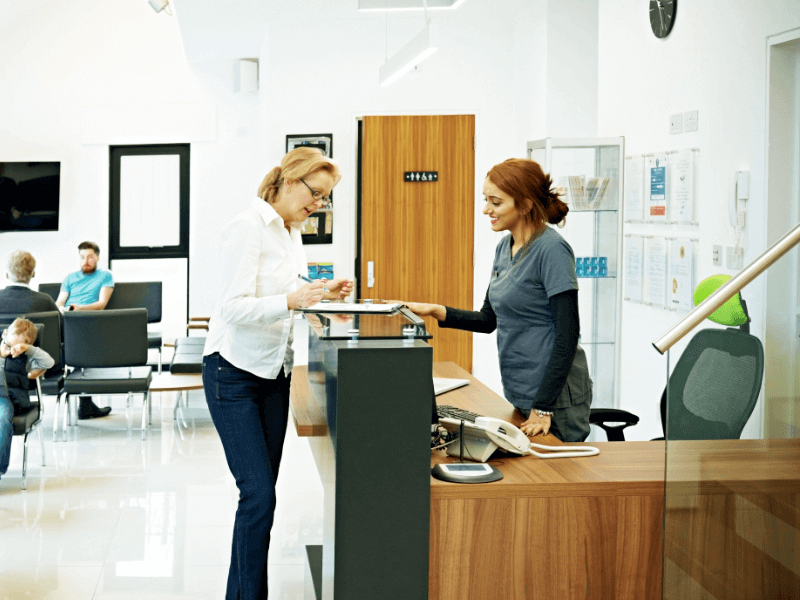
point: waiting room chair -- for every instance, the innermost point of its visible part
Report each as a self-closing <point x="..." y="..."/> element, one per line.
<point x="108" y="351"/>
<point x="715" y="384"/>
<point x="51" y="289"/>
<point x="30" y="418"/>
<point x="141" y="294"/>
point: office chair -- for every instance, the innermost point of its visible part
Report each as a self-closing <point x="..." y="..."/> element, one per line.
<point x="715" y="384"/>
<point x="106" y="348"/>
<point x="25" y="420"/>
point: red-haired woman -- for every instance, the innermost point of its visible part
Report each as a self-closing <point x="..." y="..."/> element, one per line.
<point x="532" y="302"/>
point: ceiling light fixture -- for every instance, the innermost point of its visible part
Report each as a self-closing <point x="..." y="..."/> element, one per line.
<point x="424" y="44"/>
<point x="406" y="5"/>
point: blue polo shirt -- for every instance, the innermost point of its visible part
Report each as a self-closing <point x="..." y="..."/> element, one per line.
<point x="84" y="289"/>
<point x="519" y="292"/>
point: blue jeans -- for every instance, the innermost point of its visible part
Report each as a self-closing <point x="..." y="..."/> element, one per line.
<point x="6" y="432"/>
<point x="250" y="414"/>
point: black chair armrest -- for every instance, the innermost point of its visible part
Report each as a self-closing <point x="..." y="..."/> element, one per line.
<point x="602" y="416"/>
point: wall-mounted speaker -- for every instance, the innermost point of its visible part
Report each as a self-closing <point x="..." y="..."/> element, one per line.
<point x="245" y="75"/>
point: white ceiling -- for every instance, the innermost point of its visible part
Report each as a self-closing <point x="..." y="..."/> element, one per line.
<point x="221" y="30"/>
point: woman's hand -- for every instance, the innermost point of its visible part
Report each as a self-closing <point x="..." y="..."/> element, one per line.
<point x="536" y="424"/>
<point x="422" y="309"/>
<point x="338" y="289"/>
<point x="308" y="295"/>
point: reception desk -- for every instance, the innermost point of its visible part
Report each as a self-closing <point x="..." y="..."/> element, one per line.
<point x="571" y="527"/>
<point x="594" y="527"/>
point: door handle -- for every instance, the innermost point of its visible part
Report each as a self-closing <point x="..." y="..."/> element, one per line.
<point x="370" y="274"/>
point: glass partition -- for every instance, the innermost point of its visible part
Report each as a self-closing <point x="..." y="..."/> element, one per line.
<point x="732" y="451"/>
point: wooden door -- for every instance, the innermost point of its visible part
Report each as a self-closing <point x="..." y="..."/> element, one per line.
<point x="419" y="236"/>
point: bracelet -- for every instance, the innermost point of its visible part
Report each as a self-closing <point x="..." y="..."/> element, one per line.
<point x="543" y="413"/>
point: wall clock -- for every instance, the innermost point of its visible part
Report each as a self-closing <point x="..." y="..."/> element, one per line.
<point x="662" y="16"/>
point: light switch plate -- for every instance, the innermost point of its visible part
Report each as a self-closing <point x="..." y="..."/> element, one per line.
<point x="676" y="123"/>
<point x="690" y="120"/>
<point x="717" y="257"/>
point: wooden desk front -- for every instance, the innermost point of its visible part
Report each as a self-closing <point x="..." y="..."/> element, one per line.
<point x="570" y="528"/>
<point x="593" y="527"/>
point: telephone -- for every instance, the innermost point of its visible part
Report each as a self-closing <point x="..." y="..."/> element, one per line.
<point x="486" y="434"/>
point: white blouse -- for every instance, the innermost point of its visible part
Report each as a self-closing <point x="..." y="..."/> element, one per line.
<point x="259" y="261"/>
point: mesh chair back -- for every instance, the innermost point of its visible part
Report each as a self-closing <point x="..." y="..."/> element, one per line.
<point x="105" y="338"/>
<point x="714" y="387"/>
<point x="51" y="289"/>
<point x="138" y="294"/>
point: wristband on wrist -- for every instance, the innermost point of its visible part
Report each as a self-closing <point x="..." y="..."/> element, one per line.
<point x="543" y="413"/>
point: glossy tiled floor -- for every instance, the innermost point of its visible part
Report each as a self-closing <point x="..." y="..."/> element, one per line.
<point x="112" y="516"/>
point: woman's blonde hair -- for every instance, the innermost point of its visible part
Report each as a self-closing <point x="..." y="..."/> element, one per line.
<point x="297" y="164"/>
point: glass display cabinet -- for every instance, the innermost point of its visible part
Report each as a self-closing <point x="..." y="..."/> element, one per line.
<point x="370" y="375"/>
<point x="588" y="174"/>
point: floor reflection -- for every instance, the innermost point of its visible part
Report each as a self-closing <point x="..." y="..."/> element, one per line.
<point x="112" y="515"/>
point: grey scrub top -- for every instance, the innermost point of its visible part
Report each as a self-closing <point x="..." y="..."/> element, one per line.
<point x="519" y="292"/>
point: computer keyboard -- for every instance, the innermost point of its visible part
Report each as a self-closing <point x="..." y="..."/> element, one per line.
<point x="452" y="412"/>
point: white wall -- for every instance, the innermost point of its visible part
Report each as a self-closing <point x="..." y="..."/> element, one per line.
<point x="713" y="61"/>
<point x="78" y="76"/>
<point x="323" y="73"/>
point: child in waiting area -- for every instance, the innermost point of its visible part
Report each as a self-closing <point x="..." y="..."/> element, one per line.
<point x="21" y="361"/>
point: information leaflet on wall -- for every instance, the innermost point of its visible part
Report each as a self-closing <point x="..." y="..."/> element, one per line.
<point x="634" y="246"/>
<point x="634" y="188"/>
<point x="656" y="271"/>
<point x="681" y="270"/>
<point x="681" y="189"/>
<point x="656" y="172"/>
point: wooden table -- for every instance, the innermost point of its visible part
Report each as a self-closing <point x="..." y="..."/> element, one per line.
<point x="177" y="382"/>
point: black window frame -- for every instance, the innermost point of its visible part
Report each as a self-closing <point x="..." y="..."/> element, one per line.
<point x="118" y="252"/>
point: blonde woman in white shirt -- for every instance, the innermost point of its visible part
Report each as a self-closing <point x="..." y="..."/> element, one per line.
<point x="247" y="359"/>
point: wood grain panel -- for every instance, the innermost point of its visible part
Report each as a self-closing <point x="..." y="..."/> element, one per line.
<point x="546" y="547"/>
<point x="729" y="553"/>
<point x="420" y="236"/>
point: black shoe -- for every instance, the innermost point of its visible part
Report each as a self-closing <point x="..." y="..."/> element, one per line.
<point x="89" y="410"/>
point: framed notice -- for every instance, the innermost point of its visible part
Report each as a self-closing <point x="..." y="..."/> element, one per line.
<point x="634" y="189"/>
<point x="682" y="186"/>
<point x="634" y="263"/>
<point x="656" y="180"/>
<point x="681" y="276"/>
<point x="656" y="269"/>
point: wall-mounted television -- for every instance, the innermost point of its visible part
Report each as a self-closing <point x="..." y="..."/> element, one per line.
<point x="29" y="196"/>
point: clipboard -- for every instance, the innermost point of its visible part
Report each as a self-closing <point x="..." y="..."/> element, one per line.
<point x="351" y="308"/>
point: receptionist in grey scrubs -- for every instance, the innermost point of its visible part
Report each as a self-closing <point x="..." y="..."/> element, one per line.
<point x="532" y="302"/>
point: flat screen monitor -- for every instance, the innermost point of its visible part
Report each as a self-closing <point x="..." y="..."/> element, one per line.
<point x="29" y="196"/>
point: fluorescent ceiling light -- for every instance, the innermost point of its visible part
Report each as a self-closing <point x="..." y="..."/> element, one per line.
<point x="410" y="55"/>
<point x="406" y="5"/>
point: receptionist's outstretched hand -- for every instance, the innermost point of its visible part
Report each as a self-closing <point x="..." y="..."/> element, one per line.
<point x="338" y="289"/>
<point x="536" y="424"/>
<point x="422" y="309"/>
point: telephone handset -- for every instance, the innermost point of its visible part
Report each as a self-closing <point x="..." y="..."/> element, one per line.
<point x="486" y="434"/>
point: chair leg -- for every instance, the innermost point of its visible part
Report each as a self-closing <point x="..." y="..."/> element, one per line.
<point x="55" y="418"/>
<point x="67" y="411"/>
<point x="41" y="441"/>
<point x="144" y="416"/>
<point x="149" y="408"/>
<point x="25" y="462"/>
<point x="159" y="359"/>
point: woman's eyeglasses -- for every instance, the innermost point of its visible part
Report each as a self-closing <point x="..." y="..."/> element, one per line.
<point x="317" y="195"/>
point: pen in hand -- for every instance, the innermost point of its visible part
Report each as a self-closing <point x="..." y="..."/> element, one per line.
<point x="309" y="280"/>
